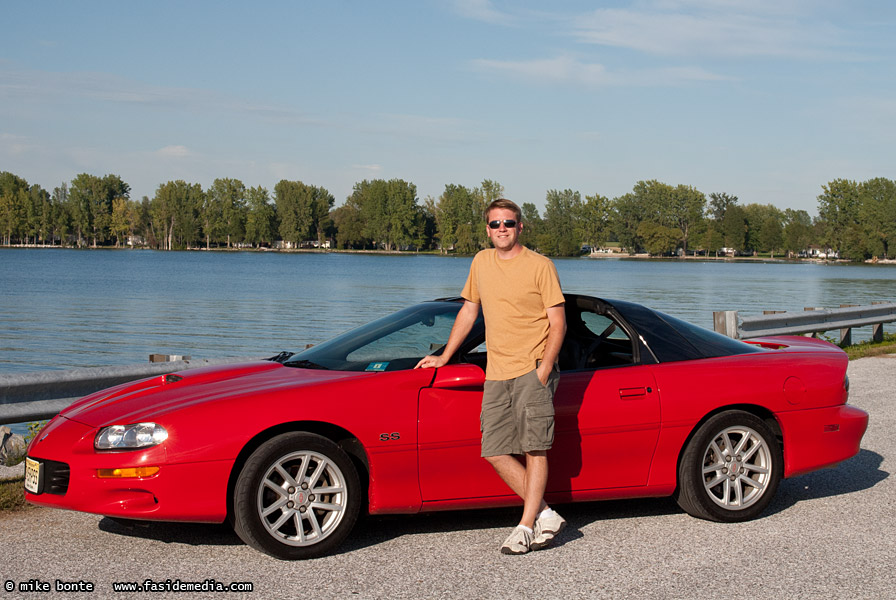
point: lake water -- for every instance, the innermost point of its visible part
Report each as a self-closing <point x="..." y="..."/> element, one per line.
<point x="63" y="309"/>
<point x="71" y="308"/>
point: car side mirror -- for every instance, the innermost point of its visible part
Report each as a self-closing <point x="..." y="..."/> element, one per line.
<point x="451" y="377"/>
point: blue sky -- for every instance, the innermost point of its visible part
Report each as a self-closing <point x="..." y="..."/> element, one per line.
<point x="765" y="100"/>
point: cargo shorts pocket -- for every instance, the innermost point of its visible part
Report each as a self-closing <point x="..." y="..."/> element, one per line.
<point x="539" y="426"/>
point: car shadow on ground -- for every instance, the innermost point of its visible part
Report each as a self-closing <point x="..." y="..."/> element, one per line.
<point x="194" y="534"/>
<point x="859" y="473"/>
<point x="375" y="530"/>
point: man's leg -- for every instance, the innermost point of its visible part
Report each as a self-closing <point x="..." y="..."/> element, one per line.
<point x="536" y="479"/>
<point x="527" y="482"/>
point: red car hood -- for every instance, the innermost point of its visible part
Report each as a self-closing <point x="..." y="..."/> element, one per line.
<point x="140" y="400"/>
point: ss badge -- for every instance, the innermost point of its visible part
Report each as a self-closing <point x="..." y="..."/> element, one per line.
<point x="387" y="437"/>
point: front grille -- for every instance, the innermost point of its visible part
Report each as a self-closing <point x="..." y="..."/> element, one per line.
<point x="56" y="476"/>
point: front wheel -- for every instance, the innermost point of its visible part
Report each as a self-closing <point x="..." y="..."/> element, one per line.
<point x="298" y="496"/>
<point x="730" y="469"/>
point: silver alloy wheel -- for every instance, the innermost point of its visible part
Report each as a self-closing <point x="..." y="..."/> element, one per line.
<point x="737" y="468"/>
<point x="302" y="498"/>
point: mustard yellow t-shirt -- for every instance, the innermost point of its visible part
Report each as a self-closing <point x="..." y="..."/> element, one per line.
<point x="514" y="295"/>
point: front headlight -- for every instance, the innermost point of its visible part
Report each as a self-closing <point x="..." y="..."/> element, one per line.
<point x="130" y="437"/>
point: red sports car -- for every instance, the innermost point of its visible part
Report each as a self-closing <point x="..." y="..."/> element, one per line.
<point x="292" y="449"/>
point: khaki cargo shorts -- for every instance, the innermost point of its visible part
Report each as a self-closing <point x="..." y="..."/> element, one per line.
<point x="518" y="415"/>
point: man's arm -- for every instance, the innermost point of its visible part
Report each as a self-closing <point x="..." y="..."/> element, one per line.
<point x="556" y="333"/>
<point x="466" y="317"/>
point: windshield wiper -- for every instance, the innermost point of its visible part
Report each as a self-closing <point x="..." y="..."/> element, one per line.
<point x="305" y="364"/>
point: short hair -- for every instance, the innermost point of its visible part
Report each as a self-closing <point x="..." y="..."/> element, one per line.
<point x="505" y="203"/>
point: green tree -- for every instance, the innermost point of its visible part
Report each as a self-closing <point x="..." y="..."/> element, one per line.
<point x="593" y="223"/>
<point x="684" y="211"/>
<point x="61" y="221"/>
<point x="719" y="202"/>
<point x="625" y="217"/>
<point x="261" y="219"/>
<point x="224" y="211"/>
<point x="91" y="199"/>
<point x="13" y="197"/>
<point x="456" y="215"/>
<point x="532" y="226"/>
<point x="838" y="212"/>
<point x="124" y="219"/>
<point x="175" y="213"/>
<point x="658" y="239"/>
<point x="389" y="211"/>
<point x="714" y="232"/>
<point x="798" y="231"/>
<point x="877" y="213"/>
<point x="734" y="228"/>
<point x="321" y="203"/>
<point x="561" y="217"/>
<point x="349" y="226"/>
<point x="293" y="200"/>
<point x="765" y="231"/>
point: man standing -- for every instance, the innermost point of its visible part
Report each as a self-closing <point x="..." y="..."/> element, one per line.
<point x="522" y="304"/>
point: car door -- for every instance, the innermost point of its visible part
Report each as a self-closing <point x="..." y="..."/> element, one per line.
<point x="606" y="426"/>
<point x="607" y="407"/>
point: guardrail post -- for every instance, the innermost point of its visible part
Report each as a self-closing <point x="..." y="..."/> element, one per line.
<point x="846" y="334"/>
<point x="877" y="330"/>
<point x="725" y="322"/>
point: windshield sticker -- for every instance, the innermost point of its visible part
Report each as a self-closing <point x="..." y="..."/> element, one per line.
<point x="377" y="366"/>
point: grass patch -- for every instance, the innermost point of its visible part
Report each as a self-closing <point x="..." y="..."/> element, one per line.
<point x="867" y="349"/>
<point x="12" y="495"/>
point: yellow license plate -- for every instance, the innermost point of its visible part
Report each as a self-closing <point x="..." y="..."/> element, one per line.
<point x="32" y="476"/>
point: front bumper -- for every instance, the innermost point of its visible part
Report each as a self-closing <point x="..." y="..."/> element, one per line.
<point x="195" y="491"/>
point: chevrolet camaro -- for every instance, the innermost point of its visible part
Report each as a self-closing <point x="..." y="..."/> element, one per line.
<point x="292" y="449"/>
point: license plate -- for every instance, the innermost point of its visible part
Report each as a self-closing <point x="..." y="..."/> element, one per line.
<point x="32" y="476"/>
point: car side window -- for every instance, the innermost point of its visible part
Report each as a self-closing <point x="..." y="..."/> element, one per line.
<point x="594" y="341"/>
<point x="412" y="342"/>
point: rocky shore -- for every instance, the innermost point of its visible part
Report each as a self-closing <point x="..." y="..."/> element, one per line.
<point x="12" y="449"/>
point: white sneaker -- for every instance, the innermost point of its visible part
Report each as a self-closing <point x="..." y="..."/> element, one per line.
<point x="518" y="542"/>
<point x="546" y="528"/>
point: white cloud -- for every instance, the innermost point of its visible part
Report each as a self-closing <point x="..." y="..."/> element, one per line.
<point x="708" y="29"/>
<point x="12" y="144"/>
<point x="482" y="10"/>
<point x="173" y="152"/>
<point x="368" y="168"/>
<point x="36" y="87"/>
<point x="569" y="70"/>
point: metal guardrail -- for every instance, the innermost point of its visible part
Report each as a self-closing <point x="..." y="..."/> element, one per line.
<point x="35" y="396"/>
<point x="809" y="321"/>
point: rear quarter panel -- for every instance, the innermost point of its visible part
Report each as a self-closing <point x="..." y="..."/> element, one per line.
<point x="785" y="384"/>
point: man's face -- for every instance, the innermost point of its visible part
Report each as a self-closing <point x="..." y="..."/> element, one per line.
<point x="503" y="238"/>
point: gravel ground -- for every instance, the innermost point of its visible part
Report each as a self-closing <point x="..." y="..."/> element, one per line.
<point x="827" y="535"/>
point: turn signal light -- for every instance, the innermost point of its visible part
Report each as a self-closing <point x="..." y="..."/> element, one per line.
<point x="126" y="473"/>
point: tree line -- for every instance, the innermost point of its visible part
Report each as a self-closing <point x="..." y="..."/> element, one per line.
<point x="856" y="220"/>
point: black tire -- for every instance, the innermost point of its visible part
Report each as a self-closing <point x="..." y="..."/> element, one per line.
<point x="730" y="469"/>
<point x="297" y="497"/>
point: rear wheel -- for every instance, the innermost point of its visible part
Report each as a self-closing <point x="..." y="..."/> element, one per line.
<point x="298" y="496"/>
<point x="730" y="469"/>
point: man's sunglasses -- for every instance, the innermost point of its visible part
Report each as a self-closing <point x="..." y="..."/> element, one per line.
<point x="508" y="223"/>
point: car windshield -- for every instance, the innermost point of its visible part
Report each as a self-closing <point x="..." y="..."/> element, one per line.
<point x="394" y="342"/>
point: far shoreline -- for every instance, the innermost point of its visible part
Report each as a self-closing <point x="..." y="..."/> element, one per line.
<point x="596" y="256"/>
